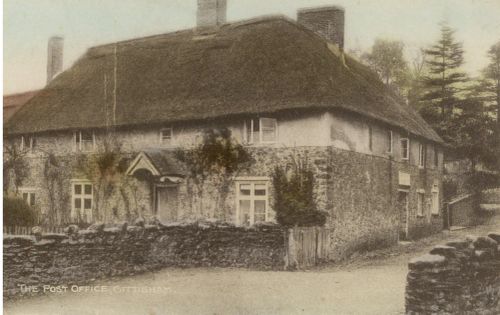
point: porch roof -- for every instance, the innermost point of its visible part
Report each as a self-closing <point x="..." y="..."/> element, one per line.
<point x="159" y="162"/>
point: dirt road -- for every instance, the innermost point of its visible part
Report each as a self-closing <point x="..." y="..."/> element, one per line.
<point x="369" y="284"/>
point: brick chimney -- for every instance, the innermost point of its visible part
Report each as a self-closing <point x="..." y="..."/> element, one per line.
<point x="211" y="13"/>
<point x="54" y="57"/>
<point x="328" y="22"/>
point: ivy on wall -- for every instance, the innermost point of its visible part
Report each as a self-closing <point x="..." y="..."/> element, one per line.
<point x="218" y="158"/>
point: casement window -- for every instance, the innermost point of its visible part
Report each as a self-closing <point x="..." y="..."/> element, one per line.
<point x="166" y="136"/>
<point x="405" y="148"/>
<point x="27" y="143"/>
<point x="435" y="200"/>
<point x="252" y="198"/>
<point x="29" y="196"/>
<point x="84" y="141"/>
<point x="261" y="130"/>
<point x="370" y="138"/>
<point x="420" y="203"/>
<point x="421" y="155"/>
<point x="82" y="193"/>
<point x="389" y="141"/>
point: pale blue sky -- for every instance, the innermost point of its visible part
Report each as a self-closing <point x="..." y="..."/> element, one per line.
<point x="85" y="23"/>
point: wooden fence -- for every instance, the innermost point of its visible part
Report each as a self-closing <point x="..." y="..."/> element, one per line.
<point x="26" y="230"/>
<point x="307" y="246"/>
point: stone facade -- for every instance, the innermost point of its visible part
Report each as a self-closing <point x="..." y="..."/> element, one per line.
<point x="462" y="277"/>
<point x="95" y="253"/>
<point x="357" y="177"/>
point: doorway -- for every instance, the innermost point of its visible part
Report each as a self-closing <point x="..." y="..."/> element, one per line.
<point x="167" y="203"/>
<point x="404" y="213"/>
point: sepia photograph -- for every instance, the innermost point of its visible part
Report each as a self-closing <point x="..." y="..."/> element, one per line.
<point x="166" y="157"/>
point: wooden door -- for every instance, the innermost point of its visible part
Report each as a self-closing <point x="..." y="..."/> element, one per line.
<point x="166" y="203"/>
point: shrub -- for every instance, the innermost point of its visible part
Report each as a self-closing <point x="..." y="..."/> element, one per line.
<point x="16" y="212"/>
<point x="294" y="197"/>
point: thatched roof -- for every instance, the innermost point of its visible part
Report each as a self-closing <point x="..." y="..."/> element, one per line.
<point x="261" y="66"/>
<point x="13" y="102"/>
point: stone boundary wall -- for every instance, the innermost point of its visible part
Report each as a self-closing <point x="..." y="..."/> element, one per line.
<point x="79" y="257"/>
<point x="462" y="277"/>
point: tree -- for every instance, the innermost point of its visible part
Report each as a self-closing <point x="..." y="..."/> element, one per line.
<point x="444" y="60"/>
<point x="491" y="88"/>
<point x="387" y="59"/>
<point x="416" y="74"/>
<point x="218" y="158"/>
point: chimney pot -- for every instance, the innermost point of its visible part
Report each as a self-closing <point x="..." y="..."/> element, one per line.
<point x="54" y="57"/>
<point x="328" y="22"/>
<point x="211" y="13"/>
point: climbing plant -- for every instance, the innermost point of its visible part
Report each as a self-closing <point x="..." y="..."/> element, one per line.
<point x="294" y="200"/>
<point x="218" y="158"/>
<point x="106" y="170"/>
<point x="15" y="166"/>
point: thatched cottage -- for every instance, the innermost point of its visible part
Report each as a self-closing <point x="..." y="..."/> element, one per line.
<point x="284" y="88"/>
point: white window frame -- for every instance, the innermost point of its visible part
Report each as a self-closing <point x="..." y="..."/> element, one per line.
<point x="78" y="135"/>
<point x="29" y="192"/>
<point x="421" y="155"/>
<point x="252" y="198"/>
<point x="407" y="157"/>
<point x="82" y="197"/>
<point x="391" y="139"/>
<point x="31" y="141"/>
<point x="420" y="202"/>
<point x="167" y="140"/>
<point x="435" y="200"/>
<point x="250" y="137"/>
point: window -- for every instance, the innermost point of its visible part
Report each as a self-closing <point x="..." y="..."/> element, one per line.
<point x="420" y="203"/>
<point x="82" y="201"/>
<point x="166" y="136"/>
<point x="84" y="141"/>
<point x="370" y="138"/>
<point x="27" y="143"/>
<point x="252" y="202"/>
<point x="405" y="149"/>
<point x="262" y="130"/>
<point x="435" y="200"/>
<point x="421" y="155"/>
<point x="389" y="141"/>
<point x="29" y="196"/>
<point x="436" y="156"/>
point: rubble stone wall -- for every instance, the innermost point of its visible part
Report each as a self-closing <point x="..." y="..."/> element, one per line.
<point x="79" y="257"/>
<point x="461" y="277"/>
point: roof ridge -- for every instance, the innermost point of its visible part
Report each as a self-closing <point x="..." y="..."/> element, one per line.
<point x="231" y="25"/>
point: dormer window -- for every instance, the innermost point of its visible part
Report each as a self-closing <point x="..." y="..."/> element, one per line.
<point x="166" y="136"/>
<point x="261" y="130"/>
<point x="84" y="141"/>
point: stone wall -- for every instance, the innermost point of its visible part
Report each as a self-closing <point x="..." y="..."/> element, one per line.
<point x="462" y="277"/>
<point x="463" y="211"/>
<point x="78" y="257"/>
